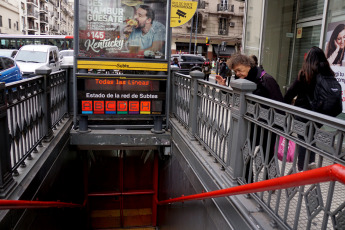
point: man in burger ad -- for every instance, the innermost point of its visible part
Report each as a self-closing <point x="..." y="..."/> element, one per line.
<point x="144" y="32"/>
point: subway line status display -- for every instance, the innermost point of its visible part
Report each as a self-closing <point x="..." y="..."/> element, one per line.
<point x="121" y="96"/>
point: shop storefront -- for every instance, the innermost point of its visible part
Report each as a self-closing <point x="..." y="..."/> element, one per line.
<point x="280" y="33"/>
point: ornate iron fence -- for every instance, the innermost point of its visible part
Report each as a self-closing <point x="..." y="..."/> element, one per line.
<point x="182" y="85"/>
<point x="34" y="107"/>
<point x="242" y="132"/>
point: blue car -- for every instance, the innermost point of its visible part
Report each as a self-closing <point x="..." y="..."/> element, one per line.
<point x="9" y="70"/>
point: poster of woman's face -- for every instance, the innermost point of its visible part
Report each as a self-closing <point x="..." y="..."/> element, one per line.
<point x="335" y="43"/>
<point x="334" y="50"/>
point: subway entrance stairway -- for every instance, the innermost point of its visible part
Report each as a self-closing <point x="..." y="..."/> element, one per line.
<point x="123" y="176"/>
<point x="122" y="188"/>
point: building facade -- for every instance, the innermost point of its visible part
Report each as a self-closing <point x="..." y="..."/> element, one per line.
<point x="280" y="33"/>
<point x="216" y="23"/>
<point x="36" y="17"/>
<point x="9" y="17"/>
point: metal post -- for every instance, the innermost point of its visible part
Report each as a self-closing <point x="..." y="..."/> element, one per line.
<point x="69" y="86"/>
<point x="190" y="37"/>
<point x="6" y="179"/>
<point x="173" y="90"/>
<point x="193" y="103"/>
<point x="157" y="125"/>
<point x="238" y="126"/>
<point x="217" y="62"/>
<point x="196" y="29"/>
<point x="47" y="119"/>
<point x="83" y="124"/>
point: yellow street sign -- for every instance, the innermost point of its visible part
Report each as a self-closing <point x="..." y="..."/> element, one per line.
<point x="182" y="12"/>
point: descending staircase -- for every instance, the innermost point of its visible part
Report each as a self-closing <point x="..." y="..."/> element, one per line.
<point x="121" y="190"/>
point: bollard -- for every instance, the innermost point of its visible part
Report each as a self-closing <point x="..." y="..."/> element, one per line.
<point x="47" y="119"/>
<point x="83" y="125"/>
<point x="157" y="128"/>
<point x="6" y="179"/>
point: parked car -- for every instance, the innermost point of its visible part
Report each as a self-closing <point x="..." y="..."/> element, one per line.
<point x="8" y="52"/>
<point x="66" y="57"/>
<point x="9" y="70"/>
<point x="31" y="57"/>
<point x="189" y="62"/>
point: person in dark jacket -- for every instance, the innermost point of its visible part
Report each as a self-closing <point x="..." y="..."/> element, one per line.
<point x="245" y="68"/>
<point x="303" y="87"/>
<point x="223" y="69"/>
<point x="206" y="68"/>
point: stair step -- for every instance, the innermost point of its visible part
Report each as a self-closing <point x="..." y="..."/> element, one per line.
<point x="131" y="228"/>
<point x="110" y="218"/>
<point x="116" y="212"/>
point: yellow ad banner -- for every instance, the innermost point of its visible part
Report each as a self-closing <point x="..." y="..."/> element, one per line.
<point x="182" y="12"/>
<point x="84" y="64"/>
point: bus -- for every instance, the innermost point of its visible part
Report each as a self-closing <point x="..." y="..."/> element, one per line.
<point x="15" y="41"/>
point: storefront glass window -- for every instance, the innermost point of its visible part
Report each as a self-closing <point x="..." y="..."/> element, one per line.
<point x="310" y="8"/>
<point x="278" y="39"/>
<point x="310" y="36"/>
<point x="253" y="27"/>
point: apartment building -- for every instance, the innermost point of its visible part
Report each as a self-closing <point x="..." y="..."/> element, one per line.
<point x="36" y="17"/>
<point x="9" y="17"/>
<point x="61" y="17"/>
<point x="216" y="29"/>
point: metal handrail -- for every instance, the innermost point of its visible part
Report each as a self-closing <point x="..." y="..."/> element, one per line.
<point x="28" y="204"/>
<point x="335" y="172"/>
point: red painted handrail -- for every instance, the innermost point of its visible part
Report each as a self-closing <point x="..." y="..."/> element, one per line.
<point x="22" y="204"/>
<point x="334" y="172"/>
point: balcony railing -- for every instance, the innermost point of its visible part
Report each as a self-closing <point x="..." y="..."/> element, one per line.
<point x="225" y="8"/>
<point x="35" y="28"/>
<point x="32" y="14"/>
<point x="202" y="5"/>
<point x="32" y="2"/>
<point x="44" y="19"/>
<point x="223" y="32"/>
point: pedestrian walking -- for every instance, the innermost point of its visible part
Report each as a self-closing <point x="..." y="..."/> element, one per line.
<point x="206" y="68"/>
<point x="223" y="68"/>
<point x="315" y="68"/>
<point x="176" y="63"/>
<point x="245" y="68"/>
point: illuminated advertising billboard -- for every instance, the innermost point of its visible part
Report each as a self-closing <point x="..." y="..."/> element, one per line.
<point x="118" y="96"/>
<point x="122" y="29"/>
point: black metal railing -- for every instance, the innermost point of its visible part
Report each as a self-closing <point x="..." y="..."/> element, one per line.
<point x="243" y="133"/>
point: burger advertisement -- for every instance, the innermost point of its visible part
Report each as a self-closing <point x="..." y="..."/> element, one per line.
<point x="122" y="29"/>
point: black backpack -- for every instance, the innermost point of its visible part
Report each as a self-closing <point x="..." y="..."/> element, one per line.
<point x="327" y="96"/>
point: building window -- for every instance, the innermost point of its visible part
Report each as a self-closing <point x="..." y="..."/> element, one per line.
<point x="223" y="29"/>
<point x="9" y="23"/>
<point x="0" y="21"/>
<point x="17" y="25"/>
<point x="199" y="23"/>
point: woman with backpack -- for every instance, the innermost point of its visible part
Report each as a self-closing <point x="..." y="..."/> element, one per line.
<point x="315" y="69"/>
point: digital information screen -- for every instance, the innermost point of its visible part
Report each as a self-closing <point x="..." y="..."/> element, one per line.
<point x="121" y="96"/>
